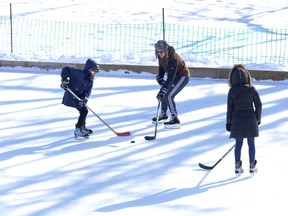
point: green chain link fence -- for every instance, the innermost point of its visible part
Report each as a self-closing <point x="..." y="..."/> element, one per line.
<point x="38" y="39"/>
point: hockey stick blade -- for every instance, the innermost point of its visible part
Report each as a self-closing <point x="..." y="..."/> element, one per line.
<point x="118" y="134"/>
<point x="206" y="167"/>
<point x="211" y="167"/>
<point x="150" y="137"/>
<point x="123" y="134"/>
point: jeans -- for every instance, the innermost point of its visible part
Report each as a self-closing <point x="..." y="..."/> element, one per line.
<point x="238" y="147"/>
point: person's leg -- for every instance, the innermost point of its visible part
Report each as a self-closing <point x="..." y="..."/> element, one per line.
<point x="178" y="86"/>
<point x="238" y="148"/>
<point x="80" y="125"/>
<point x="83" y="111"/>
<point x="237" y="152"/>
<point x="164" y="106"/>
<point x="163" y="112"/>
<point x="252" y="151"/>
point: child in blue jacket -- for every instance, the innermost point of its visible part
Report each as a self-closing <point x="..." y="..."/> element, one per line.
<point x="81" y="83"/>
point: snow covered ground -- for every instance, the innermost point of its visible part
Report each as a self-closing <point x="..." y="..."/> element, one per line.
<point x="247" y="13"/>
<point x="44" y="171"/>
<point x="264" y="45"/>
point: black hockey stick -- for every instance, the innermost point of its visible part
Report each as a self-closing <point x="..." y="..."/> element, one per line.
<point x="211" y="167"/>
<point x="157" y="117"/>
<point x="117" y="133"/>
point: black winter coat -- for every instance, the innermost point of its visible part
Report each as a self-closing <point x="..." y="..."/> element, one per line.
<point x="244" y="109"/>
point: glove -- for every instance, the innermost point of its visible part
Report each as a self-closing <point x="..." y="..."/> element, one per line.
<point x="160" y="81"/>
<point x="258" y="122"/>
<point x="161" y="94"/>
<point x="83" y="102"/>
<point x="228" y="127"/>
<point x="64" y="83"/>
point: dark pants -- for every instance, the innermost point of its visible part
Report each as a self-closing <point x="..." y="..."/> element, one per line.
<point x="168" y="100"/>
<point x="238" y="147"/>
<point x="83" y="111"/>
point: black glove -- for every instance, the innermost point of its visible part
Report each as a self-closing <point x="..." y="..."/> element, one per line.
<point x="228" y="127"/>
<point x="161" y="94"/>
<point x="83" y="102"/>
<point x="160" y="81"/>
<point x="258" y="122"/>
<point x="64" y="83"/>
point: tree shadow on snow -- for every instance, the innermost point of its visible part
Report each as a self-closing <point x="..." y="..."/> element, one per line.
<point x="170" y="194"/>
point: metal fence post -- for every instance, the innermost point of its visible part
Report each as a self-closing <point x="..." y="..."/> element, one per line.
<point x="11" y="28"/>
<point x="163" y="18"/>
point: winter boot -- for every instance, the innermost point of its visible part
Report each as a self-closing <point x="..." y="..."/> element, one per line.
<point x="87" y="130"/>
<point x="238" y="168"/>
<point x="253" y="168"/>
<point x="162" y="118"/>
<point x="174" y="123"/>
<point x="80" y="132"/>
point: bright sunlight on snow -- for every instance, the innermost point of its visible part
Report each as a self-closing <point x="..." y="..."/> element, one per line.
<point x="45" y="171"/>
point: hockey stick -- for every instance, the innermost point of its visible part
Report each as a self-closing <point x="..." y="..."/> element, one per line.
<point x="157" y="117"/>
<point x="117" y="133"/>
<point x="211" y="167"/>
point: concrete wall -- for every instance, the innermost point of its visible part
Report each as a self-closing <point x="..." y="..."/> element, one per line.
<point x="219" y="73"/>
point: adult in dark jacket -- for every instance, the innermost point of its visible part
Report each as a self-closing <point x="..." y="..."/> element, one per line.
<point x="244" y="109"/>
<point x="172" y="65"/>
<point x="81" y="83"/>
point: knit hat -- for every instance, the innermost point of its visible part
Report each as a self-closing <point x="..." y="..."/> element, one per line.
<point x="161" y="45"/>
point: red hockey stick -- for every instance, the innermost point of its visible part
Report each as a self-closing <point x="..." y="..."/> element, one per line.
<point x="117" y="133"/>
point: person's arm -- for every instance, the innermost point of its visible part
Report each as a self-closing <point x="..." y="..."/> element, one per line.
<point x="160" y="76"/>
<point x="65" y="77"/>
<point x="258" y="106"/>
<point x="88" y="90"/>
<point x="65" y="73"/>
<point x="171" y="73"/>
<point x="229" y="112"/>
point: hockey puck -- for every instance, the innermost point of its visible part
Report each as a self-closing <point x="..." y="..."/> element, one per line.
<point x="132" y="141"/>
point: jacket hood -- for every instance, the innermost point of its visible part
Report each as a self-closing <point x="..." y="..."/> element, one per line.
<point x="239" y="76"/>
<point x="90" y="64"/>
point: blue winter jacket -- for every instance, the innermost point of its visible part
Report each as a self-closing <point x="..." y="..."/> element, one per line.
<point x="80" y="83"/>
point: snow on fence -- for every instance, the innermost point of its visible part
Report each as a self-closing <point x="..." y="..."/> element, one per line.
<point x="38" y="39"/>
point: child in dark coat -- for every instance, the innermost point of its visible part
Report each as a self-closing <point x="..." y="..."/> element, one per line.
<point x="244" y="109"/>
<point x="81" y="83"/>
